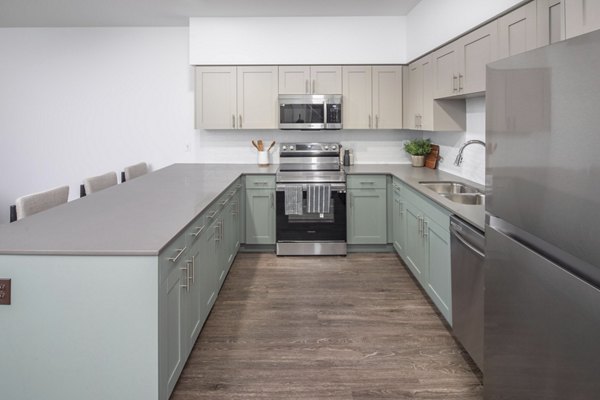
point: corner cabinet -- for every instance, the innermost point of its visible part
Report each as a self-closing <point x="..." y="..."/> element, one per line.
<point x="236" y="97"/>
<point x="581" y="16"/>
<point x="518" y="30"/>
<point x="550" y="21"/>
<point x="372" y="97"/>
<point x="422" y="239"/>
<point x="260" y="209"/>
<point x="367" y="209"/>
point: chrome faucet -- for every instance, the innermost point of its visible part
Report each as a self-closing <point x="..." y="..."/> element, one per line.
<point x="459" y="156"/>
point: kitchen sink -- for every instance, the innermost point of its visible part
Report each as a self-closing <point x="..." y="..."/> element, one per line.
<point x="449" y="187"/>
<point x="465" y="198"/>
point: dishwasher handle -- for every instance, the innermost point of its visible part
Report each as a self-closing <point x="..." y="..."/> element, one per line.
<point x="464" y="241"/>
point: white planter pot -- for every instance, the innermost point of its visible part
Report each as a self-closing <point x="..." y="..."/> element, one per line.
<point x="418" y="161"/>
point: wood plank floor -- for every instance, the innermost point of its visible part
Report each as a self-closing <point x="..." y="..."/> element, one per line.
<point x="355" y="327"/>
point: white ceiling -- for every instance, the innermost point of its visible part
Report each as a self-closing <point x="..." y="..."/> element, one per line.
<point x="72" y="13"/>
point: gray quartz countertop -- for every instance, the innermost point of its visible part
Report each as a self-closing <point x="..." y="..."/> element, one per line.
<point x="474" y="214"/>
<point x="138" y="217"/>
<point x="141" y="216"/>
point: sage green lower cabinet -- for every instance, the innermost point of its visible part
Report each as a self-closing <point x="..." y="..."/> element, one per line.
<point x="398" y="219"/>
<point x="173" y="293"/>
<point x="260" y="212"/>
<point x="366" y="202"/>
<point x="426" y="250"/>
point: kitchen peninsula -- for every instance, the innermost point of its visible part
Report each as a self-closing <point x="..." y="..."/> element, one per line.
<point x="127" y="276"/>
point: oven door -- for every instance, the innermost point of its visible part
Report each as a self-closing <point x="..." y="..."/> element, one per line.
<point x="329" y="227"/>
<point x="302" y="112"/>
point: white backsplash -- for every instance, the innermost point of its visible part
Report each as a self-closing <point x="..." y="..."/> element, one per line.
<point x="369" y="147"/>
<point x="473" y="166"/>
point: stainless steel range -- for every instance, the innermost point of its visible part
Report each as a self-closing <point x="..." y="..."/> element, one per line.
<point x="310" y="200"/>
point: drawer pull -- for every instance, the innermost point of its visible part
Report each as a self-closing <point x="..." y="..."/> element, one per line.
<point x="199" y="231"/>
<point x="180" y="252"/>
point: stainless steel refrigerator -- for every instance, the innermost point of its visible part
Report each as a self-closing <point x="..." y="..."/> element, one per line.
<point x="542" y="271"/>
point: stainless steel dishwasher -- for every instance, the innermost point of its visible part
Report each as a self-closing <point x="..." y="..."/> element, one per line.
<point x="468" y="255"/>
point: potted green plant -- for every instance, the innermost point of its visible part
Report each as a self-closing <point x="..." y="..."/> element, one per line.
<point x="418" y="149"/>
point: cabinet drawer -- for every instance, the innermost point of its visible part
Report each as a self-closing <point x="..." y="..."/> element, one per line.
<point x="260" y="182"/>
<point x="366" y="182"/>
<point x="173" y="255"/>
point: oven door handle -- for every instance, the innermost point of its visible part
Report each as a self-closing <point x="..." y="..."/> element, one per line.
<point x="335" y="187"/>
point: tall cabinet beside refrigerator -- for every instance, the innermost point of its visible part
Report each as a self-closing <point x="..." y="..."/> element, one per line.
<point x="542" y="273"/>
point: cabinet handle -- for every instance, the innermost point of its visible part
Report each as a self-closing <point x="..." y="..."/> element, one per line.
<point x="234" y="209"/>
<point x="313" y="86"/>
<point x="454" y="81"/>
<point x="212" y="215"/>
<point x="425" y="228"/>
<point x="233" y="120"/>
<point x="272" y="197"/>
<point x="401" y="204"/>
<point x="199" y="231"/>
<point x="351" y="197"/>
<point x="218" y="232"/>
<point x="193" y="274"/>
<point x="416" y="121"/>
<point x="240" y="126"/>
<point x="261" y="183"/>
<point x="377" y="121"/>
<point x="306" y="86"/>
<point x="460" y="81"/>
<point x="370" y="121"/>
<point x="420" y="225"/>
<point x="186" y="286"/>
<point x="367" y="183"/>
<point x="180" y="252"/>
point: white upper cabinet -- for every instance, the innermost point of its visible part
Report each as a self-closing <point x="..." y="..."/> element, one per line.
<point x="257" y="89"/>
<point x="445" y="71"/>
<point x="476" y="50"/>
<point x="317" y="79"/>
<point x="581" y="16"/>
<point x="518" y="30"/>
<point x="294" y="79"/>
<point x="459" y="67"/>
<point x="550" y="21"/>
<point x="387" y="97"/>
<point x="357" y="101"/>
<point x="372" y="97"/>
<point x="236" y="97"/>
<point x="216" y="98"/>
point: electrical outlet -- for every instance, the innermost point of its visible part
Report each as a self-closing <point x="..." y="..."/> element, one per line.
<point x="5" y="291"/>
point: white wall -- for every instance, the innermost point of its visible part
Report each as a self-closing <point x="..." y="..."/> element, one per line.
<point x="433" y="22"/>
<point x="77" y="102"/>
<point x="473" y="166"/>
<point x="298" y="40"/>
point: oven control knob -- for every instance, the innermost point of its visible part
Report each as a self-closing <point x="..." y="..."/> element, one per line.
<point x="333" y="147"/>
<point x="284" y="148"/>
<point x="291" y="147"/>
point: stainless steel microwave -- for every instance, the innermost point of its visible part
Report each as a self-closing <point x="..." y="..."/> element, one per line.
<point x="310" y="111"/>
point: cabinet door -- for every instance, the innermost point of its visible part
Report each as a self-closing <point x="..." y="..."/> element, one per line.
<point x="326" y="79"/>
<point x="357" y="101"/>
<point x="399" y="222"/>
<point x="415" y="95"/>
<point x="477" y="49"/>
<point x="260" y="216"/>
<point x="175" y="338"/>
<point x="294" y="79"/>
<point x="518" y="30"/>
<point x="387" y="97"/>
<point x="367" y="212"/>
<point x="415" y="244"/>
<point x="581" y="16"/>
<point x="445" y="71"/>
<point x="439" y="285"/>
<point x="193" y="300"/>
<point x="206" y="271"/>
<point x="216" y="98"/>
<point x="257" y="91"/>
<point x="550" y="21"/>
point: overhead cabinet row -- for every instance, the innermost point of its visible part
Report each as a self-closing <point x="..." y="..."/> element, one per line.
<point x="243" y="97"/>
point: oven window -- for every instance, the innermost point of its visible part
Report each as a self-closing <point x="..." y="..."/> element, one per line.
<point x="312" y="227"/>
<point x="301" y="114"/>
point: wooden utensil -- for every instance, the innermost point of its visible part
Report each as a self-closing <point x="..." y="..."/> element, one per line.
<point x="261" y="147"/>
<point x="271" y="146"/>
<point x="255" y="145"/>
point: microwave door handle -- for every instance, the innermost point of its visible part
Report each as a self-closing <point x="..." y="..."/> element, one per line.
<point x="325" y="120"/>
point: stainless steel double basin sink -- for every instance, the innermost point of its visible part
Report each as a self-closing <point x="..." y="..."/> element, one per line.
<point x="456" y="191"/>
